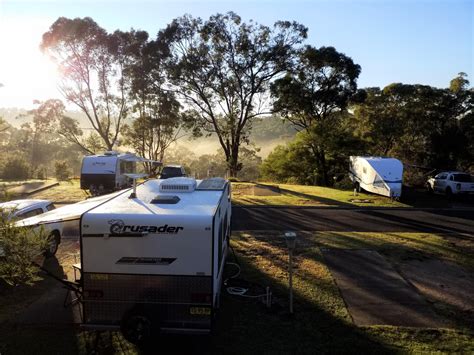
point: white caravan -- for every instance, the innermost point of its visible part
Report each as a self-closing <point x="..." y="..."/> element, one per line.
<point x="108" y="172"/>
<point x="154" y="261"/>
<point x="382" y="176"/>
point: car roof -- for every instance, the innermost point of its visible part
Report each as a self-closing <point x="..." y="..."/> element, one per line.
<point x="20" y="205"/>
<point x="173" y="166"/>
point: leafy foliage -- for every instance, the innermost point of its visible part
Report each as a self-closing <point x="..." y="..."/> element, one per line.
<point x="222" y="68"/>
<point x="158" y="118"/>
<point x="313" y="95"/>
<point x="15" y="168"/>
<point x="61" y="170"/>
<point x="91" y="63"/>
<point x="20" y="246"/>
<point x="419" y="124"/>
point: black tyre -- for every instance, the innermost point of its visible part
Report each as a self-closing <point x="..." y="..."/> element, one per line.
<point x="449" y="193"/>
<point x="429" y="188"/>
<point x="53" y="244"/>
<point x="136" y="328"/>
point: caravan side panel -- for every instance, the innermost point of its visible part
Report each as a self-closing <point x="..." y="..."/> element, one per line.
<point x="221" y="229"/>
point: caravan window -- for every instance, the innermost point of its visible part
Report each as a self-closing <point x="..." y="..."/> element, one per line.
<point x="127" y="167"/>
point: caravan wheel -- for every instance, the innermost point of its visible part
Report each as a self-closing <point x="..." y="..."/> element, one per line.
<point x="136" y="328"/>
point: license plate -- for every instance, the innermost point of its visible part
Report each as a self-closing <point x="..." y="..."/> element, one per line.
<point x="200" y="311"/>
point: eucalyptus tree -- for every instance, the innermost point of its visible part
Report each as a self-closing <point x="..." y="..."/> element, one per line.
<point x="50" y="117"/>
<point x="420" y="124"/>
<point x="158" y="119"/>
<point x="221" y="69"/>
<point x="91" y="66"/>
<point x="312" y="95"/>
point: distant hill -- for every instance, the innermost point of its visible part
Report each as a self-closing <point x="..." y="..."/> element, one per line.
<point x="267" y="132"/>
<point x="11" y="115"/>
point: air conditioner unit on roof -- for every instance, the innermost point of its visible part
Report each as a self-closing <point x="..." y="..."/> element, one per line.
<point x="178" y="184"/>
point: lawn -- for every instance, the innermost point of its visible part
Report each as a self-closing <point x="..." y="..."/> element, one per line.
<point x="300" y="195"/>
<point x="67" y="192"/>
<point x="321" y="322"/>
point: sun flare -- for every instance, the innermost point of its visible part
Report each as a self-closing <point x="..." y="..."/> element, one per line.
<point x="25" y="72"/>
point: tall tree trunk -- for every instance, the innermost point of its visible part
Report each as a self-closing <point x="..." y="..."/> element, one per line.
<point x="233" y="160"/>
<point x="324" y="169"/>
<point x="320" y="155"/>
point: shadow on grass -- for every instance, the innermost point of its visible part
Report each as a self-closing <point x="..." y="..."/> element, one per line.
<point x="36" y="322"/>
<point x="421" y="198"/>
<point x="248" y="327"/>
<point x="420" y="225"/>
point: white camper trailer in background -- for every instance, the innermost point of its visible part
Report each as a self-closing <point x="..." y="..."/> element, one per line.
<point x="109" y="172"/>
<point x="379" y="175"/>
<point x="105" y="173"/>
<point x="154" y="261"/>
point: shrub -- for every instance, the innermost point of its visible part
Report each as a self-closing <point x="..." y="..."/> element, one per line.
<point x="41" y="173"/>
<point x="15" y="168"/>
<point x="61" y="170"/>
<point x="19" y="246"/>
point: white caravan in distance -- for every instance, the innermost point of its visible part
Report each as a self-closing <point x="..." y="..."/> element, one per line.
<point x="104" y="173"/>
<point x="152" y="259"/>
<point x="379" y="175"/>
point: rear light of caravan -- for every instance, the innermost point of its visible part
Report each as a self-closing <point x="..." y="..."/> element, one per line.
<point x="201" y="297"/>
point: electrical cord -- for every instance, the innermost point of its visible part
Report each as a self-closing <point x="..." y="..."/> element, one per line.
<point x="239" y="290"/>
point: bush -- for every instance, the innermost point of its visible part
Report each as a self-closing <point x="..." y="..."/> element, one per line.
<point x="344" y="183"/>
<point x="19" y="247"/>
<point x="15" y="168"/>
<point x="41" y="173"/>
<point x="61" y="170"/>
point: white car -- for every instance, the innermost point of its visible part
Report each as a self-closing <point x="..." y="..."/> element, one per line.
<point x="451" y="183"/>
<point x="22" y="209"/>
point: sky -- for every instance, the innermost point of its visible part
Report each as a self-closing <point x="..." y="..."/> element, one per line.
<point x="409" y="41"/>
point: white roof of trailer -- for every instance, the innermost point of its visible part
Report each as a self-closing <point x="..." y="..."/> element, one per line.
<point x="67" y="213"/>
<point x="387" y="168"/>
<point x="197" y="202"/>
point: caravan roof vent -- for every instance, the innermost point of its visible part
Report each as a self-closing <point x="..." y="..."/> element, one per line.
<point x="165" y="200"/>
<point x="111" y="152"/>
<point x="178" y="184"/>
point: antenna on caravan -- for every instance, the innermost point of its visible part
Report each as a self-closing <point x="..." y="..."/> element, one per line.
<point x="134" y="177"/>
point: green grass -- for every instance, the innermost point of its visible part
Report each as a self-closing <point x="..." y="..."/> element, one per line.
<point x="13" y="183"/>
<point x="300" y="195"/>
<point x="67" y="191"/>
<point x="321" y="322"/>
<point x="398" y="246"/>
